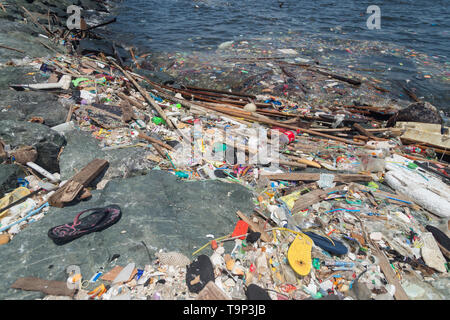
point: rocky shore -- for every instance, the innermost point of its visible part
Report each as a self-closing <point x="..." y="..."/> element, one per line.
<point x="113" y="112"/>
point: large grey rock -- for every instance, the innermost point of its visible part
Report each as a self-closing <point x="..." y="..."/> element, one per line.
<point x="23" y="37"/>
<point x="82" y="148"/>
<point x="39" y="8"/>
<point x="46" y="141"/>
<point x="158" y="209"/>
<point x="8" y="177"/>
<point x="423" y="112"/>
<point x="22" y="106"/>
<point x="96" y="46"/>
<point x="92" y="5"/>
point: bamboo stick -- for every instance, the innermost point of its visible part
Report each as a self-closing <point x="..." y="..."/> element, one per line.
<point x="250" y="116"/>
<point x="9" y="48"/>
<point x="145" y="95"/>
<point x="153" y="140"/>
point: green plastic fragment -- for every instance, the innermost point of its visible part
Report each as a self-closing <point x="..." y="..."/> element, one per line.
<point x="372" y="184"/>
<point x="158" y="120"/>
<point x="316" y="263"/>
<point x="77" y="81"/>
<point x="412" y="165"/>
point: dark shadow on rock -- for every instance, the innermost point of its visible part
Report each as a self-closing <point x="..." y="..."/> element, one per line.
<point x="46" y="141"/>
<point x="8" y="177"/>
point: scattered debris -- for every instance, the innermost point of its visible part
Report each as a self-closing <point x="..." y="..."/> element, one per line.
<point x="343" y="201"/>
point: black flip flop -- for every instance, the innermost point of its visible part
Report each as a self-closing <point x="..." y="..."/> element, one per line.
<point x="255" y="292"/>
<point x="201" y="267"/>
<point x="99" y="219"/>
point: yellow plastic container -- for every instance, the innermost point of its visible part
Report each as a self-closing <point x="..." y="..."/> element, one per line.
<point x="11" y="197"/>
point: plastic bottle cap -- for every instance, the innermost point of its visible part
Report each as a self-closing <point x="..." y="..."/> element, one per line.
<point x="290" y="135"/>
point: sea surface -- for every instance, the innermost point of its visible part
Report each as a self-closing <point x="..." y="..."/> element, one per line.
<point x="412" y="46"/>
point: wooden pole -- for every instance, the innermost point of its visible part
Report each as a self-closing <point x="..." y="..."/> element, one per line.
<point x="153" y="140"/>
<point x="9" y="48"/>
<point x="145" y="95"/>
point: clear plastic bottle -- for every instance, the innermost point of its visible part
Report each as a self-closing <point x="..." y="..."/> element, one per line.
<point x="278" y="215"/>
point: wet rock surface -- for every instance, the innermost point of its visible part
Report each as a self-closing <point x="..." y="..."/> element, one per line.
<point x="157" y="208"/>
<point x="46" y="141"/>
<point x="23" y="106"/>
<point x="82" y="148"/>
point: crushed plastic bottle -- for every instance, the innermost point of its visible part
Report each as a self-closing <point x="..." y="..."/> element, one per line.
<point x="278" y="215"/>
<point x="326" y="181"/>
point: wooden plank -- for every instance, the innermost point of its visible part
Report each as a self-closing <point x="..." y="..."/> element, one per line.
<point x="69" y="114"/>
<point x="426" y="133"/>
<point x="159" y="150"/>
<point x="258" y="118"/>
<point x="239" y="94"/>
<point x="101" y="111"/>
<point x="385" y="266"/>
<point x="364" y="131"/>
<point x="308" y="199"/>
<point x="389" y="274"/>
<point x="75" y="185"/>
<point x="90" y="172"/>
<point x="423" y="145"/>
<point x="255" y="227"/>
<point x="70" y="190"/>
<point x="48" y="287"/>
<point x="2" y="150"/>
<point x="433" y="139"/>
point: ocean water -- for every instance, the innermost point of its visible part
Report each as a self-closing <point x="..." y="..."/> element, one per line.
<point x="411" y="47"/>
